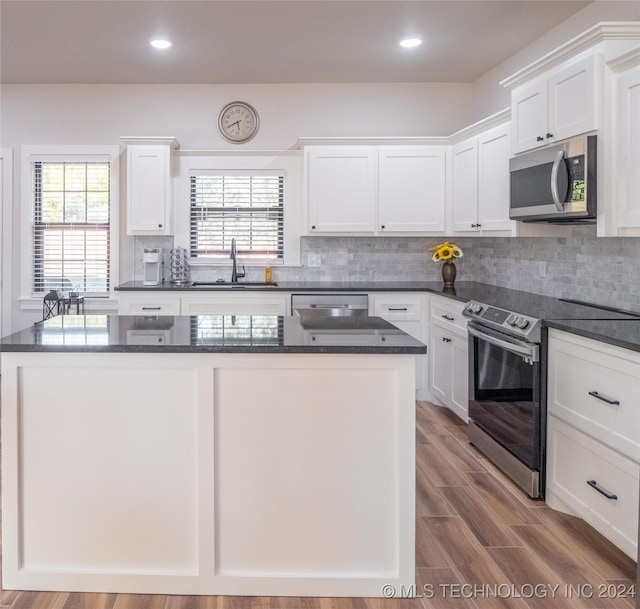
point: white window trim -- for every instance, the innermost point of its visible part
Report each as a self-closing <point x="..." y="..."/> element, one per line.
<point x="30" y="154"/>
<point x="288" y="162"/>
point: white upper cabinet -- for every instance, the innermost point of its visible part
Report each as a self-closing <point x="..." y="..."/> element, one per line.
<point x="376" y="189"/>
<point x="411" y="189"/>
<point x="627" y="149"/>
<point x="149" y="192"/>
<point x="465" y="185"/>
<point x="530" y="116"/>
<point x="343" y="184"/>
<point x="494" y="150"/>
<point x="562" y="104"/>
<point x="481" y="182"/>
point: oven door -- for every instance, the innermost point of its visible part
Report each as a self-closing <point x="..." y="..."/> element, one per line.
<point x="504" y="391"/>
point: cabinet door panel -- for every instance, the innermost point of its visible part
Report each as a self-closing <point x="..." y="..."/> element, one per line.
<point x="440" y="357"/>
<point x="628" y="158"/>
<point x="460" y="377"/>
<point x="412" y="189"/>
<point x="494" y="150"/>
<point x="148" y="190"/>
<point x="342" y="190"/>
<point x="529" y="115"/>
<point x="465" y="190"/>
<point x="572" y="99"/>
<point x="232" y="304"/>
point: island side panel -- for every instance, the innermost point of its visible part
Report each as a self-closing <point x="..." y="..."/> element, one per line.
<point x="102" y="461"/>
<point x="315" y="476"/>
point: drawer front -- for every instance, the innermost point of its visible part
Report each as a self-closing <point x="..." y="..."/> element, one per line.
<point x="400" y="308"/>
<point x="596" y="388"/>
<point x="149" y="307"/>
<point x="447" y="313"/>
<point x="576" y="464"/>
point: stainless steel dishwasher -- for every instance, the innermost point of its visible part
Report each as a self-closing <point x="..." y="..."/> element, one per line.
<point x="311" y="307"/>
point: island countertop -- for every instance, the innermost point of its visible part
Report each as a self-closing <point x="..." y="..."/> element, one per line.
<point x="212" y="334"/>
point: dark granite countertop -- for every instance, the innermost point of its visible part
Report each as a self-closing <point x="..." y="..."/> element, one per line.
<point x="211" y="334"/>
<point x="311" y="286"/>
<point x="619" y="332"/>
<point x="612" y="327"/>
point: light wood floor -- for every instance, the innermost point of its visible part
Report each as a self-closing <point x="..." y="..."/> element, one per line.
<point x="474" y="528"/>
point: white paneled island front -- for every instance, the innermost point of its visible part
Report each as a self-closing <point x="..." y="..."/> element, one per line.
<point x="208" y="455"/>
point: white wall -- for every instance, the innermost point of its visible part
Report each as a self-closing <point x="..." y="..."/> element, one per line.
<point x="90" y="114"/>
<point x="490" y="97"/>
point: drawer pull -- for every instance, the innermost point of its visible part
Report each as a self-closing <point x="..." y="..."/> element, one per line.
<point x="398" y="309"/>
<point x="446" y="340"/>
<point x="595" y="394"/>
<point x="152" y="308"/>
<point x="448" y="317"/>
<point x="595" y="485"/>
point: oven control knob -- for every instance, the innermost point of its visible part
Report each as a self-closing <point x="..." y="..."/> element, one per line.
<point x="522" y="323"/>
<point x="476" y="308"/>
<point x="512" y="319"/>
<point x="468" y="306"/>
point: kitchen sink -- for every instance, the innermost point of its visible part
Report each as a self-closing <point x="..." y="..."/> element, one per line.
<point x="228" y="284"/>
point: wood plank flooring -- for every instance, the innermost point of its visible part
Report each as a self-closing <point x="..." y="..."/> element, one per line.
<point x="481" y="543"/>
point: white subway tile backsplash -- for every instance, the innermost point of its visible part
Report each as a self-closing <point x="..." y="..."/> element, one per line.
<point x="604" y="270"/>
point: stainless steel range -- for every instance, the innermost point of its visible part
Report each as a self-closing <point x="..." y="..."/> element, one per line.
<point x="507" y="377"/>
<point x="506" y="421"/>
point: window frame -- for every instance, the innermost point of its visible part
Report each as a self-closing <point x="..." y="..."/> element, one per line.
<point x="61" y="154"/>
<point x="289" y="163"/>
<point x="256" y="258"/>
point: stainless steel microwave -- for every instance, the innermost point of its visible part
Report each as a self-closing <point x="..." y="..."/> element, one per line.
<point x="556" y="183"/>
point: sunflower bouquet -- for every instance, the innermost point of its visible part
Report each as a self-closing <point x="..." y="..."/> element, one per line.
<point x="445" y="252"/>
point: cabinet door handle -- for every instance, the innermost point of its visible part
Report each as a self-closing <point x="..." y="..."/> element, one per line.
<point x="382" y="227"/>
<point x="446" y="340"/>
<point x="539" y="139"/>
<point x="159" y="225"/>
<point x="152" y="308"/>
<point x="448" y="317"/>
<point x="313" y="227"/>
<point x="595" y="394"/>
<point x="549" y="135"/>
<point x="593" y="484"/>
<point x="398" y="309"/>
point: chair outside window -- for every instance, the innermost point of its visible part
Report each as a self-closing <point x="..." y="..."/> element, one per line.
<point x="51" y="305"/>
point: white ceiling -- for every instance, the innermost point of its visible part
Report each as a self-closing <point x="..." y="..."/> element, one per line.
<point x="266" y="41"/>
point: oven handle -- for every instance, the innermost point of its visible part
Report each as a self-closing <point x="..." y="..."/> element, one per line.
<point x="519" y="348"/>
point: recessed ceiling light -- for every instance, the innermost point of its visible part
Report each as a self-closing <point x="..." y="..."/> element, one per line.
<point x="160" y="43"/>
<point x="409" y="43"/>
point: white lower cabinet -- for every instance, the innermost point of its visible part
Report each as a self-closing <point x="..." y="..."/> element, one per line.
<point x="209" y="303"/>
<point x="248" y="303"/>
<point x="593" y="435"/>
<point x="448" y="356"/>
<point x="408" y="312"/>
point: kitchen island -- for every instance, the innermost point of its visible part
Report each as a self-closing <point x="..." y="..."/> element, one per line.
<point x="216" y="454"/>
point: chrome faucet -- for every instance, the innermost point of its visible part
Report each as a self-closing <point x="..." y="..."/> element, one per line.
<point x="235" y="274"/>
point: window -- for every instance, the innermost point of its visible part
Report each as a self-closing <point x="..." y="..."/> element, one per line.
<point x="247" y="206"/>
<point x="71" y="226"/>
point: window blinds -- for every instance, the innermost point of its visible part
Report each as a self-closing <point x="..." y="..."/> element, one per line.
<point x="71" y="232"/>
<point x="247" y="207"/>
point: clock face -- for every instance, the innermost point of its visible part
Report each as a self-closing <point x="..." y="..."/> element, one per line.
<point x="238" y="122"/>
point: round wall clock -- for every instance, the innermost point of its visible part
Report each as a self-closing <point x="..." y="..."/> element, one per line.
<point x="238" y="122"/>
